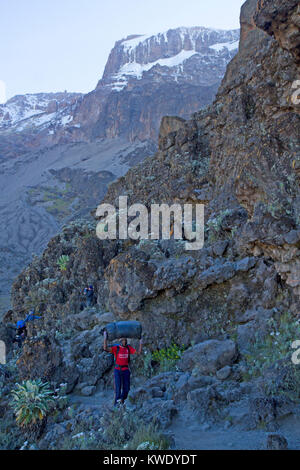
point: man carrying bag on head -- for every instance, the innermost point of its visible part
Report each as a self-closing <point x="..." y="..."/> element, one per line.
<point x="122" y="353"/>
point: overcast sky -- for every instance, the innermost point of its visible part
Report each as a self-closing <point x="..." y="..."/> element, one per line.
<point x="57" y="45"/>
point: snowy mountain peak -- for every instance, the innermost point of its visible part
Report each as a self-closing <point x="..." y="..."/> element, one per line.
<point x="28" y="110"/>
<point x="190" y="38"/>
<point x="174" y="50"/>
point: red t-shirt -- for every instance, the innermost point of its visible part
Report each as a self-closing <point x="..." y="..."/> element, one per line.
<point x="122" y="359"/>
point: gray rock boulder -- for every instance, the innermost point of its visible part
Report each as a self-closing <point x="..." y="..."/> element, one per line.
<point x="88" y="390"/>
<point x="276" y="442"/>
<point x="208" y="357"/>
<point x="224" y="373"/>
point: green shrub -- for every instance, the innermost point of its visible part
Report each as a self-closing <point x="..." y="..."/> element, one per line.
<point x="119" y="426"/>
<point x="146" y="368"/>
<point x="123" y="429"/>
<point x="81" y="440"/>
<point x="32" y="401"/>
<point x="61" y="398"/>
<point x="214" y="225"/>
<point x="284" y="381"/>
<point x="273" y="347"/>
<point x="10" y="436"/>
<point x="63" y="262"/>
<point x="147" y="437"/>
<point x="168" y="357"/>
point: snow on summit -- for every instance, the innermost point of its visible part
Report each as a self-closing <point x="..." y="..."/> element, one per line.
<point x="174" y="49"/>
<point x="136" y="69"/>
<point x="193" y="34"/>
<point x="34" y="110"/>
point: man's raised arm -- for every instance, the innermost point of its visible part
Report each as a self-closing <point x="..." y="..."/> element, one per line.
<point x="105" y="343"/>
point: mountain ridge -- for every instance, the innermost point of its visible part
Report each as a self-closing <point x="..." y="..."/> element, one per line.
<point x="190" y="58"/>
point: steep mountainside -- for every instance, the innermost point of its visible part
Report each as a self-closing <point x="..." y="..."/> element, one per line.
<point x="52" y="144"/>
<point x="147" y="77"/>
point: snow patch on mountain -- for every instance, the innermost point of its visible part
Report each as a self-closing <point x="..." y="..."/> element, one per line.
<point x="136" y="70"/>
<point x="33" y="110"/>
<point x="139" y="54"/>
<point x="231" y="46"/>
<point x="193" y="34"/>
<point x="132" y="43"/>
<point x="16" y="110"/>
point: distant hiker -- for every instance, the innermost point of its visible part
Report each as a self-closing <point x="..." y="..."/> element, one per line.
<point x="21" y="330"/>
<point x="21" y="333"/>
<point x="122" y="353"/>
<point x="89" y="295"/>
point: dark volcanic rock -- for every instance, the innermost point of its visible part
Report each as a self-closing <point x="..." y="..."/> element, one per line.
<point x="276" y="442"/>
<point x="281" y="21"/>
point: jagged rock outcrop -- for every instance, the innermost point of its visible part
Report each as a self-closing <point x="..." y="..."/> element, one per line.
<point x="243" y="151"/>
<point x="209" y="357"/>
<point x="282" y="21"/>
<point x="147" y="77"/>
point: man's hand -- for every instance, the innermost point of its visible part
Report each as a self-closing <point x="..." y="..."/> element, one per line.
<point x="105" y="334"/>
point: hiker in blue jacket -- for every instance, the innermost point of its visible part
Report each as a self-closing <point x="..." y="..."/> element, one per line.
<point x="21" y="330"/>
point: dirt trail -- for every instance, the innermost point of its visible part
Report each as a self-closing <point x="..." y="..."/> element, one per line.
<point x="189" y="434"/>
<point x="100" y="400"/>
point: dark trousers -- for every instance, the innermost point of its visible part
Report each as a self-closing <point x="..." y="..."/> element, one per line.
<point x="19" y="340"/>
<point x="122" y="384"/>
<point x="89" y="301"/>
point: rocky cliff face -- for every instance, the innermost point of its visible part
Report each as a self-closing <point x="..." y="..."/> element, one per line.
<point x="234" y="303"/>
<point x="134" y="56"/>
<point x="242" y="152"/>
<point x="147" y="77"/>
<point x="282" y="22"/>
